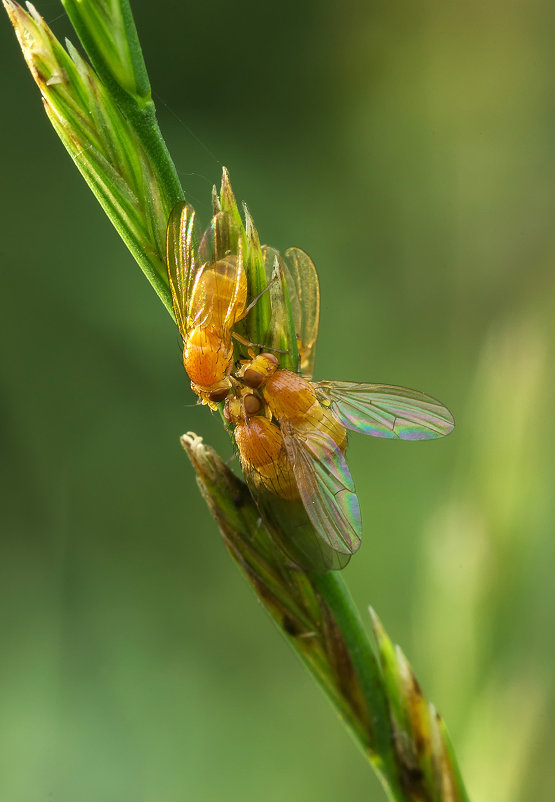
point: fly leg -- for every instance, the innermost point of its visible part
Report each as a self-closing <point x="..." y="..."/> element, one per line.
<point x="258" y="297"/>
<point x="249" y="345"/>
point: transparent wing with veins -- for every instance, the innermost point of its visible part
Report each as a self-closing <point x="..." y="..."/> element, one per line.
<point x="383" y="410"/>
<point x="182" y="239"/>
<point x="304" y="295"/>
<point x="293" y="531"/>
<point x="218" y="294"/>
<point x="325" y="486"/>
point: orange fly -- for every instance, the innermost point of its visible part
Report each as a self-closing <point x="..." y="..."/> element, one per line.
<point x="209" y="293"/>
<point x="313" y="418"/>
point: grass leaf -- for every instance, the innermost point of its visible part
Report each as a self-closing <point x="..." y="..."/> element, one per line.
<point x="101" y="142"/>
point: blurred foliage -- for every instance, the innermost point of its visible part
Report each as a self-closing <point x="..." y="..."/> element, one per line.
<point x="408" y="149"/>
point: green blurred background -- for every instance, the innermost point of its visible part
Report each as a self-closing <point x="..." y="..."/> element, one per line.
<point x="409" y="149"/>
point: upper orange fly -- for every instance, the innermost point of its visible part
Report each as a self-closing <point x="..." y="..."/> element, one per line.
<point x="209" y="293"/>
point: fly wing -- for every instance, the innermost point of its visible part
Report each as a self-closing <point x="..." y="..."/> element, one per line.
<point x="182" y="239"/>
<point x="220" y="239"/>
<point x="304" y="294"/>
<point x="294" y="534"/>
<point x="325" y="486"/>
<point x="238" y="299"/>
<point x="282" y="333"/>
<point x="383" y="410"/>
<point x="270" y="256"/>
<point x="287" y="521"/>
<point x="220" y="288"/>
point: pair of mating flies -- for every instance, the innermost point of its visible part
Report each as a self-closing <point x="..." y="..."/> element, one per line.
<point x="290" y="432"/>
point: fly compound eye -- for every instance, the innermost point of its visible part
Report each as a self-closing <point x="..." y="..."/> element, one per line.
<point x="252" y="378"/>
<point x="218" y="395"/>
<point x="252" y="405"/>
<point x="271" y="358"/>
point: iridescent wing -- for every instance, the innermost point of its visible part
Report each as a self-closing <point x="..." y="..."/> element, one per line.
<point x="182" y="239"/>
<point x="383" y="410"/>
<point x="304" y="294"/>
<point x="293" y="532"/>
<point x="325" y="486"/>
<point x="285" y="516"/>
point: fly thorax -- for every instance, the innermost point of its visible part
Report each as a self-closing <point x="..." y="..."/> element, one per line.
<point x="330" y="426"/>
<point x="207" y="357"/>
<point x="290" y="397"/>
